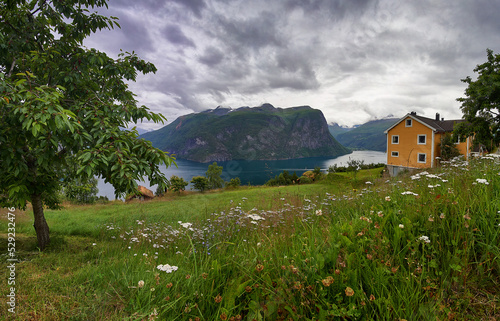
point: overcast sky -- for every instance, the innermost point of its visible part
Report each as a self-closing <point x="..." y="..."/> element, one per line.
<point x="356" y="60"/>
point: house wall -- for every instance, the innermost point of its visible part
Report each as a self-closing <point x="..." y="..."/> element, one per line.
<point x="408" y="147"/>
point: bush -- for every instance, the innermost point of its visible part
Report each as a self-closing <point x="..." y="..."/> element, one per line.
<point x="305" y="180"/>
<point x="234" y="182"/>
<point x="200" y="183"/>
<point x="178" y="184"/>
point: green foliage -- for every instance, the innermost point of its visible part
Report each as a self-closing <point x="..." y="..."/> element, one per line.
<point x="200" y="183"/>
<point x="62" y="103"/>
<point x="481" y="105"/>
<point x="234" y="182"/>
<point x="283" y="179"/>
<point x="81" y="190"/>
<point x="177" y="184"/>
<point x="305" y="180"/>
<point x="448" y="148"/>
<point x="213" y="175"/>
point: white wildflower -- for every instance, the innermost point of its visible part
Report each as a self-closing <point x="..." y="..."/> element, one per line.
<point x="424" y="239"/>
<point x="140" y="284"/>
<point x="167" y="268"/>
<point x="401" y="226"/>
<point x="482" y="181"/>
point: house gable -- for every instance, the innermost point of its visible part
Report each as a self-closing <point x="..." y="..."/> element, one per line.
<point x="414" y="141"/>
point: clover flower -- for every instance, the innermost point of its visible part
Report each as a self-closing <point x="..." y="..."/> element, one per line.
<point x="401" y="226"/>
<point x="319" y="212"/>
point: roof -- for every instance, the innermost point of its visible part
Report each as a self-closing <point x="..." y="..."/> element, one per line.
<point x="436" y="125"/>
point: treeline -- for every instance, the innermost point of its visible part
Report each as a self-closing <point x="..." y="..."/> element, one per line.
<point x="211" y="180"/>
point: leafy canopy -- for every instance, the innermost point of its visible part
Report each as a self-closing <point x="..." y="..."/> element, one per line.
<point x="481" y="106"/>
<point x="61" y="102"/>
<point x="213" y="175"/>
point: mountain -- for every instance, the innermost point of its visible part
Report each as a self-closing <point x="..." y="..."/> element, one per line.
<point x="368" y="136"/>
<point x="335" y="129"/>
<point x="258" y="133"/>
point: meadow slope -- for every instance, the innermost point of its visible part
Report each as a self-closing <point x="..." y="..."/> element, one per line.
<point x="422" y="246"/>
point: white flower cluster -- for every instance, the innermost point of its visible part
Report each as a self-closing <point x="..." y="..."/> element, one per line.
<point x="167" y="268"/>
<point x="255" y="217"/>
<point x="424" y="239"/>
<point x="409" y="193"/>
<point x="185" y="225"/>
<point x="482" y="181"/>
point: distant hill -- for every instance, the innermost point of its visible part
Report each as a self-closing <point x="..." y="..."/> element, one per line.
<point x="259" y="133"/>
<point x="369" y="136"/>
<point x="335" y="129"/>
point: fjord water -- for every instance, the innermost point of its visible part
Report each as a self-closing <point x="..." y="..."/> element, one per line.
<point x="255" y="172"/>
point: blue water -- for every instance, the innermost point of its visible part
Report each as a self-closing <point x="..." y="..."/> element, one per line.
<point x="254" y="172"/>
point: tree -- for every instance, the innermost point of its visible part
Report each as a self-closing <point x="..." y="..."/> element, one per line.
<point x="214" y="176"/>
<point x="233" y="183"/>
<point x="61" y="103"/>
<point x="448" y="148"/>
<point x="481" y="106"/>
<point x="200" y="183"/>
<point x="177" y="184"/>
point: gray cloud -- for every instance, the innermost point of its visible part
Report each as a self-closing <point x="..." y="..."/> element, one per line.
<point x="354" y="60"/>
<point x="211" y="57"/>
<point x="196" y="6"/>
<point x="175" y="36"/>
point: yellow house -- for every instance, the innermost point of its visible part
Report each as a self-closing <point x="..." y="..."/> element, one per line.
<point x="414" y="142"/>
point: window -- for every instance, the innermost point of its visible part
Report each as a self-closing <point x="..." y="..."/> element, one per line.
<point x="422" y="139"/>
<point x="408" y="122"/>
<point x="422" y="158"/>
<point x="395" y="139"/>
<point x="395" y="154"/>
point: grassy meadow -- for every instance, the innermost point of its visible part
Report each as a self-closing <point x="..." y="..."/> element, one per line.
<point x="421" y="246"/>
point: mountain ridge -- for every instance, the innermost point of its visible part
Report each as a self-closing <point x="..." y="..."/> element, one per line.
<point x="252" y="133"/>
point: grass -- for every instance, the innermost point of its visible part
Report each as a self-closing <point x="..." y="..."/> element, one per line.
<point x="340" y="249"/>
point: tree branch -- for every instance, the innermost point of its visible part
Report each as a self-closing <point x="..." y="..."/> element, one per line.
<point x="11" y="68"/>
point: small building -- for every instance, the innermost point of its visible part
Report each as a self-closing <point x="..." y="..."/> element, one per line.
<point x="414" y="142"/>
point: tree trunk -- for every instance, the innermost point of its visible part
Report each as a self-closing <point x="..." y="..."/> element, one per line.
<point x="41" y="226"/>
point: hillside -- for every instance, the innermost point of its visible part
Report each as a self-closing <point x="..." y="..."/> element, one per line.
<point x="259" y="133"/>
<point x="367" y="136"/>
<point x="335" y="129"/>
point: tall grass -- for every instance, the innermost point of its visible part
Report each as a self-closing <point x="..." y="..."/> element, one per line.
<point x="420" y="247"/>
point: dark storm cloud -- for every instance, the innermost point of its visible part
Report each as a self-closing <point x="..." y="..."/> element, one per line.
<point x="254" y="33"/>
<point x="175" y="36"/>
<point x="211" y="57"/>
<point x="353" y="59"/>
<point x="196" y="6"/>
<point x="336" y="8"/>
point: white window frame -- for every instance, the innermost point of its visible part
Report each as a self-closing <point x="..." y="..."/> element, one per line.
<point x="418" y="139"/>
<point x="409" y="122"/>
<point x="425" y="158"/>
<point x="394" y="154"/>
<point x="392" y="139"/>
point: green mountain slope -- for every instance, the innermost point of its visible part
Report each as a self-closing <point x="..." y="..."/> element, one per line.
<point x="368" y="136"/>
<point x="335" y="129"/>
<point x="259" y="133"/>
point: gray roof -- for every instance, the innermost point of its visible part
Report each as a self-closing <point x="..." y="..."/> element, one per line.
<point x="441" y="126"/>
